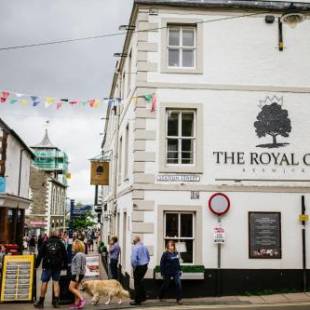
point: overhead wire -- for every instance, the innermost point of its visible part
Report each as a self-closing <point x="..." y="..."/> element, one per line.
<point x="109" y="35"/>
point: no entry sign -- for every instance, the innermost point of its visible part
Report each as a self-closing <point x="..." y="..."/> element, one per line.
<point x="219" y="204"/>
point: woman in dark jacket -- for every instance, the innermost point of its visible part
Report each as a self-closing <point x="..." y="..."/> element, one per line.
<point x="170" y="269"/>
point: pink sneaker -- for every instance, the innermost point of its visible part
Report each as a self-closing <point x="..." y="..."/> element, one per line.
<point x="82" y="304"/>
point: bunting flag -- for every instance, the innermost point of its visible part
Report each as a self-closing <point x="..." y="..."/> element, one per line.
<point x="35" y="100"/>
<point x="4" y="96"/>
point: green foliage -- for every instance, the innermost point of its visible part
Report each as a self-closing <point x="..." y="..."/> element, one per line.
<point x="188" y="268"/>
<point x="84" y="221"/>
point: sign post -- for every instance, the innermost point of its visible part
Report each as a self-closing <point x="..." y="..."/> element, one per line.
<point x="219" y="205"/>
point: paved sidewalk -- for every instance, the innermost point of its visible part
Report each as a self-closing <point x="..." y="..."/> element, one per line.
<point x="211" y="302"/>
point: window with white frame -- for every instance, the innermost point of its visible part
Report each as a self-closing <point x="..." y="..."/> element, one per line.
<point x="179" y="226"/>
<point x="181" y="46"/>
<point x="180" y="136"/>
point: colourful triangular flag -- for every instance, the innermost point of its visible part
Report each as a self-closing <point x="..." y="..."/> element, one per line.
<point x="4" y="96"/>
<point x="35" y="100"/>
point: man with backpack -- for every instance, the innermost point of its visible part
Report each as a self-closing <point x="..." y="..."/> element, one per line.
<point x="54" y="256"/>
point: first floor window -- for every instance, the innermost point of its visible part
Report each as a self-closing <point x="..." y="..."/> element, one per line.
<point x="180" y="136"/>
<point x="179" y="227"/>
<point x="181" y="46"/>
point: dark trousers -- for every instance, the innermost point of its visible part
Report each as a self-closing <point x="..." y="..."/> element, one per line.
<point x="178" y="285"/>
<point x="113" y="268"/>
<point x="138" y="276"/>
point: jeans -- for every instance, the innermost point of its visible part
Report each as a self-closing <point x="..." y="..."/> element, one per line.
<point x="138" y="275"/>
<point x="178" y="285"/>
<point x="113" y="268"/>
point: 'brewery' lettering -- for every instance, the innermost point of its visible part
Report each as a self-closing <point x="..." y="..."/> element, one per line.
<point x="264" y="158"/>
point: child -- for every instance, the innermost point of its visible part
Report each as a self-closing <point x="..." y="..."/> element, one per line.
<point x="78" y="267"/>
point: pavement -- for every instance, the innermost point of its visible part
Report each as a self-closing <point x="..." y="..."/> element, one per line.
<point x="298" y="301"/>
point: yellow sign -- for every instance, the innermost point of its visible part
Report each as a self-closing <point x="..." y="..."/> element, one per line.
<point x="303" y="217"/>
<point x="17" y="278"/>
<point x="99" y="173"/>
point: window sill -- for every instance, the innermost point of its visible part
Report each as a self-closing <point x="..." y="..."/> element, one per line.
<point x="182" y="70"/>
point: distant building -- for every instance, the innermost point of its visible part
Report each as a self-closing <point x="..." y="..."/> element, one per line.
<point x="214" y="100"/>
<point x="15" y="163"/>
<point x="48" y="182"/>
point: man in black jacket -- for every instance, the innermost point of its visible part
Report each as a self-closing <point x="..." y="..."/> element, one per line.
<point x="54" y="256"/>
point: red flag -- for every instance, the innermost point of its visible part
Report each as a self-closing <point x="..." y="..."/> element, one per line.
<point x="4" y="96"/>
<point x="154" y="103"/>
<point x="92" y="103"/>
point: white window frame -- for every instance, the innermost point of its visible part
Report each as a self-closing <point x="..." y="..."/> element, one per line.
<point x="126" y="164"/>
<point x="180" y="137"/>
<point x="181" y="47"/>
<point x="176" y="239"/>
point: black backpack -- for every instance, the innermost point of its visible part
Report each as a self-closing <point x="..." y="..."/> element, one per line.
<point x="54" y="257"/>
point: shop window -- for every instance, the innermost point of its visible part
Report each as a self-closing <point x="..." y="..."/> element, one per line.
<point x="179" y="226"/>
<point x="180" y="137"/>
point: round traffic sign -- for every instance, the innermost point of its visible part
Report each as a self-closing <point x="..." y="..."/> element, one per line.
<point x="219" y="204"/>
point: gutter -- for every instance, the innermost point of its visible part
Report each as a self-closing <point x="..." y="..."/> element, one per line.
<point x="230" y="4"/>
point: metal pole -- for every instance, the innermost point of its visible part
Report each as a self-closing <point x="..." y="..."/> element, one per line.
<point x="303" y="235"/>
<point x="218" y="282"/>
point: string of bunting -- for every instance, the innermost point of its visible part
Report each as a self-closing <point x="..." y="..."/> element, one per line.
<point x="13" y="98"/>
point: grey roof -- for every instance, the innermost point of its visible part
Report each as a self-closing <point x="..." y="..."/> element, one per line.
<point x="230" y="4"/>
<point x="46" y="142"/>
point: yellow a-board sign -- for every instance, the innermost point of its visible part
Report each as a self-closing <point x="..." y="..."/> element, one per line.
<point x="17" y="278"/>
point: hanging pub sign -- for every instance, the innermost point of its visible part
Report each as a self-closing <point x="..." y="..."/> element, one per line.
<point x="18" y="278"/>
<point x="99" y="172"/>
<point x="264" y="235"/>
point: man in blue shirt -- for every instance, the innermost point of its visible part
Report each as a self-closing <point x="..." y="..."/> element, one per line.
<point x="140" y="259"/>
<point x="114" y="251"/>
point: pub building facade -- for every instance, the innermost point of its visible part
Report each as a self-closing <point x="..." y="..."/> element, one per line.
<point x="229" y="113"/>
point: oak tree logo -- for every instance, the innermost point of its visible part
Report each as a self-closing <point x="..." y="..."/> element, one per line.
<point x="273" y="121"/>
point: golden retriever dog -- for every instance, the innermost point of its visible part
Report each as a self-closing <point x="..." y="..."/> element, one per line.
<point x="99" y="288"/>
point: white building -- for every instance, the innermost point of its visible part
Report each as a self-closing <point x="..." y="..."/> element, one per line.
<point x="15" y="163"/>
<point x="232" y="87"/>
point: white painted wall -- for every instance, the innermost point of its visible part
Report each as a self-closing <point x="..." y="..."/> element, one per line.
<point x="235" y="222"/>
<point x="12" y="168"/>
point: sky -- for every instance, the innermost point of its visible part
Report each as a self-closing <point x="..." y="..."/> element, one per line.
<point x="81" y="69"/>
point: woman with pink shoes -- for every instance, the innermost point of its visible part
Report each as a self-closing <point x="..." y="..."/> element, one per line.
<point x="78" y="267"/>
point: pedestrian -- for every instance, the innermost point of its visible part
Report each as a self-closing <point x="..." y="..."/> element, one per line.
<point x="2" y="253"/>
<point x="54" y="257"/>
<point x="114" y="251"/>
<point x="32" y="244"/>
<point x="40" y="242"/>
<point x="78" y="268"/>
<point x="170" y="268"/>
<point x="140" y="259"/>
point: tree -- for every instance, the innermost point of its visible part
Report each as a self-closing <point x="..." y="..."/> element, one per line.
<point x="82" y="222"/>
<point x="273" y="120"/>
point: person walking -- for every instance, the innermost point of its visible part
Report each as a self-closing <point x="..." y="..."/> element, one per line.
<point x="78" y="268"/>
<point x="54" y="258"/>
<point x="140" y="259"/>
<point x="32" y="244"/>
<point x="114" y="251"/>
<point x="170" y="268"/>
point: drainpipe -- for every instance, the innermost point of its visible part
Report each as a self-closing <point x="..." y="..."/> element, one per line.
<point x="116" y="163"/>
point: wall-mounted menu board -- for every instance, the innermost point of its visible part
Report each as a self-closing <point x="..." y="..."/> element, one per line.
<point x="264" y="234"/>
<point x="17" y="278"/>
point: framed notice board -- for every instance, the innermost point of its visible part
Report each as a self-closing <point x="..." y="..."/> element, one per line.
<point x="265" y="235"/>
<point x="18" y="279"/>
